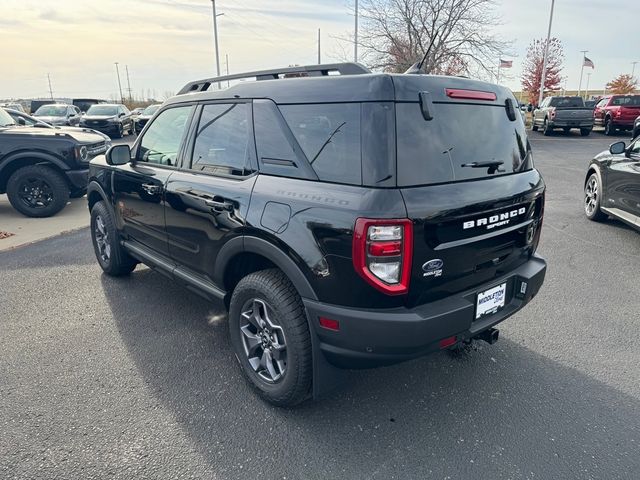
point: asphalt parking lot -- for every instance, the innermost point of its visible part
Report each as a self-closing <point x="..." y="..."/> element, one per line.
<point x="135" y="378"/>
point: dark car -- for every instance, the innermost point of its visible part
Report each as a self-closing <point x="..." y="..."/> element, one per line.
<point x="636" y="128"/>
<point x="617" y="112"/>
<point x="612" y="184"/>
<point x="346" y="219"/>
<point x="141" y="120"/>
<point x="565" y="113"/>
<point x="28" y="121"/>
<point x="85" y="104"/>
<point x="58" y="114"/>
<point x="113" y="119"/>
<point x="41" y="167"/>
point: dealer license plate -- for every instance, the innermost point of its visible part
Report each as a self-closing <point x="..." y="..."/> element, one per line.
<point x="490" y="301"/>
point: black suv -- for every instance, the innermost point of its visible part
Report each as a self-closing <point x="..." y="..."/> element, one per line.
<point x="347" y="219"/>
<point x="41" y="167"/>
<point x="112" y="119"/>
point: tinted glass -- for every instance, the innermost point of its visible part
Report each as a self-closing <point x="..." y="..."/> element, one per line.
<point x="103" y="110"/>
<point x="161" y="142"/>
<point x="567" y="102"/>
<point x="52" y="111"/>
<point x="329" y="135"/>
<point x="627" y="101"/>
<point x="5" y="119"/>
<point x="150" y="110"/>
<point x="459" y="134"/>
<point x="222" y="140"/>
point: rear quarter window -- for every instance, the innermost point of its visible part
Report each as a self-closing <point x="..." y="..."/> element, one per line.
<point x="329" y="135"/>
<point x="430" y="152"/>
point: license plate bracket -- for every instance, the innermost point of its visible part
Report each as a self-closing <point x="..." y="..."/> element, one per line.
<point x="491" y="300"/>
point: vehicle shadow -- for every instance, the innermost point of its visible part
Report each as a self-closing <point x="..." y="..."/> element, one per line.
<point x="491" y="412"/>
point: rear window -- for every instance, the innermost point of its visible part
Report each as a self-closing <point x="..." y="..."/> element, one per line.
<point x="329" y="135"/>
<point x="567" y="102"/>
<point x="444" y="149"/>
<point x="627" y="101"/>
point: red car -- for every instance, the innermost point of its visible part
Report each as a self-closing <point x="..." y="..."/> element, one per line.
<point x="615" y="112"/>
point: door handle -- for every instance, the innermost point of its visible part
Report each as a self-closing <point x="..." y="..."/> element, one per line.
<point x="219" y="205"/>
<point x="151" y="189"/>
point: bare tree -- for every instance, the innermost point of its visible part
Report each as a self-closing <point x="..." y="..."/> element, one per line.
<point x="453" y="36"/>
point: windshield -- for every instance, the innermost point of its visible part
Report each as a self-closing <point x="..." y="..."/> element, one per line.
<point x="102" y="110"/>
<point x="5" y="119"/>
<point x="462" y="142"/>
<point x="150" y="110"/>
<point x="627" y="101"/>
<point x="51" y="111"/>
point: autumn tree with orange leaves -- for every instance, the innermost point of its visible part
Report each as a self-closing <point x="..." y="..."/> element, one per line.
<point x="532" y="68"/>
<point x="622" y="85"/>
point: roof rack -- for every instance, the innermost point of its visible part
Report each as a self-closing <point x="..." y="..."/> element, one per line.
<point x="297" y="71"/>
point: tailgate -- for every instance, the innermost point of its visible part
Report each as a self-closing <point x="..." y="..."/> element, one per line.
<point x="574" y="114"/>
<point x="468" y="233"/>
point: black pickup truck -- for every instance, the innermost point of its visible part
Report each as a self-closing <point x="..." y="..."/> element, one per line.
<point x="565" y="113"/>
<point x="41" y="167"/>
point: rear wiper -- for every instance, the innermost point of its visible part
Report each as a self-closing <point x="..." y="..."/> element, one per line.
<point x="493" y="167"/>
<point x="327" y="142"/>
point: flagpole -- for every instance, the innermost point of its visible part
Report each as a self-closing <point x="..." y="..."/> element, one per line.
<point x="584" y="53"/>
<point x="498" y="76"/>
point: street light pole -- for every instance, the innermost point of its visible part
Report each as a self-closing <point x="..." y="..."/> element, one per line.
<point x="319" y="59"/>
<point x="355" y="37"/>
<point x="633" y="69"/>
<point x="119" y="84"/>
<point x="543" y="78"/>
<point x="584" y="53"/>
<point x="215" y="39"/>
<point x="586" y="94"/>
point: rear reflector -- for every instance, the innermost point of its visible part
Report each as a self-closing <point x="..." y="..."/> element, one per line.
<point x="385" y="249"/>
<point x="470" y="94"/>
<point x="330" y="324"/>
<point x="447" y="342"/>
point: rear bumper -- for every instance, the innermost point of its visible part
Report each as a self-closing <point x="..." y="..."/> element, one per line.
<point x="571" y="123"/>
<point x="78" y="178"/>
<point x="369" y="338"/>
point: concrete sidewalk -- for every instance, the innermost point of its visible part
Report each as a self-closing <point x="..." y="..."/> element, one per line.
<point x="28" y="230"/>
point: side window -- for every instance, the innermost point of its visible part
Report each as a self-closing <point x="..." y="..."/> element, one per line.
<point x="276" y="153"/>
<point x="329" y="135"/>
<point x="222" y="139"/>
<point x="161" y="142"/>
<point x="602" y="103"/>
<point x="124" y="110"/>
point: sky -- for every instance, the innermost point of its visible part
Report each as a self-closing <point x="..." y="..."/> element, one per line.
<point x="166" y="43"/>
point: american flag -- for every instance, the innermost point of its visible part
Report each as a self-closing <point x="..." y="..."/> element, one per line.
<point x="587" y="63"/>
<point x="506" y="63"/>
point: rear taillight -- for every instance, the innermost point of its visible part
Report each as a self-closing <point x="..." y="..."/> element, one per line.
<point x="553" y="113"/>
<point x="382" y="252"/>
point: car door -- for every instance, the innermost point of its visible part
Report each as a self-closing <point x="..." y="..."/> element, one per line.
<point x="74" y="116"/>
<point x="139" y="186"/>
<point x="624" y="181"/>
<point x="599" y="111"/>
<point x="127" y="122"/>
<point x="208" y="198"/>
<point x="538" y="114"/>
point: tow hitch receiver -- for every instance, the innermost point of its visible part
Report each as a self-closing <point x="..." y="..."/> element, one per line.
<point x="490" y="336"/>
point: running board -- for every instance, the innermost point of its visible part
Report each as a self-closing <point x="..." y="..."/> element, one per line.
<point x="193" y="281"/>
<point x="622" y="215"/>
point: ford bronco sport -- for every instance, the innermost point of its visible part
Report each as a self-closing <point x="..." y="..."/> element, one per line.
<point x="347" y="219"/>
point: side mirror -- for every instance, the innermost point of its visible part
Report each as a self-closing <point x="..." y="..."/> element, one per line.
<point x="118" y="155"/>
<point x="121" y="114"/>
<point x="21" y="121"/>
<point x="617" y="148"/>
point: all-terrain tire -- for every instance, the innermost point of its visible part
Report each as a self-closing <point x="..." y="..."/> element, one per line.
<point x="111" y="255"/>
<point x="37" y="191"/>
<point x="273" y="292"/>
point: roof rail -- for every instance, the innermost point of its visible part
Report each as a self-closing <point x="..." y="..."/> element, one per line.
<point x="304" y="70"/>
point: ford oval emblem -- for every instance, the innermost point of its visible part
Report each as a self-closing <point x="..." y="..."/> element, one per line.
<point x="435" y="264"/>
